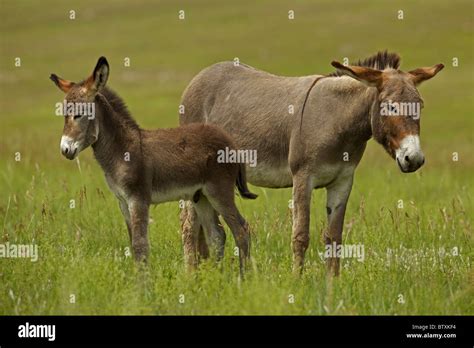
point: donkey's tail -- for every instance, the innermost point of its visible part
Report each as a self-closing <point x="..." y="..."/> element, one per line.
<point x="241" y="183"/>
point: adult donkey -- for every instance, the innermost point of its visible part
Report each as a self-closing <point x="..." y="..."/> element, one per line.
<point x="145" y="167"/>
<point x="318" y="148"/>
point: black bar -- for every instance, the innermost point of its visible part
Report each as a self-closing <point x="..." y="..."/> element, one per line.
<point x="259" y="330"/>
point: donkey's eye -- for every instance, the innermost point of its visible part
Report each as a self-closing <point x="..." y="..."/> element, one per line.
<point x="77" y="117"/>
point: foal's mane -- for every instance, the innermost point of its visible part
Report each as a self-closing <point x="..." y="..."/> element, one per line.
<point x="120" y="108"/>
<point x="380" y="61"/>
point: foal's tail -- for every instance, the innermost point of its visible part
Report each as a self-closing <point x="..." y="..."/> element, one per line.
<point x="241" y="183"/>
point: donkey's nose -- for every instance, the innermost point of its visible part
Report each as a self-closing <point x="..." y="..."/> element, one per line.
<point x="414" y="160"/>
<point x="409" y="155"/>
<point x="68" y="152"/>
<point x="68" y="149"/>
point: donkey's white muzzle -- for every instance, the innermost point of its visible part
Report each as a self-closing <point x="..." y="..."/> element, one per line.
<point x="409" y="155"/>
<point x="69" y="148"/>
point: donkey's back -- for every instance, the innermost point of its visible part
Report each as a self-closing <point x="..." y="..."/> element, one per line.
<point x="260" y="110"/>
<point x="217" y="89"/>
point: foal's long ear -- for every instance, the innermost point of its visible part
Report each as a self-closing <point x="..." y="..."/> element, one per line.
<point x="99" y="77"/>
<point x="422" y="74"/>
<point x="63" y="85"/>
<point x="370" y="77"/>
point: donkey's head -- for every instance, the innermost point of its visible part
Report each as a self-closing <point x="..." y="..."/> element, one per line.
<point x="81" y="126"/>
<point x="395" y="116"/>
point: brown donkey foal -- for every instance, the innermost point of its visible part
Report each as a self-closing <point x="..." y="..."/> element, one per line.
<point x="144" y="167"/>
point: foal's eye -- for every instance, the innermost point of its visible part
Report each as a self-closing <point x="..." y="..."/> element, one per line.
<point x="77" y="117"/>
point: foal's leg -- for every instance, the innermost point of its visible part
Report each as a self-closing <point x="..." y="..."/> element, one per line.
<point x="217" y="235"/>
<point x="337" y="197"/>
<point x="301" y="210"/>
<point x="139" y="224"/>
<point x="193" y="236"/>
<point x="210" y="221"/>
<point x="126" y="215"/>
<point x="240" y="231"/>
<point x="222" y="199"/>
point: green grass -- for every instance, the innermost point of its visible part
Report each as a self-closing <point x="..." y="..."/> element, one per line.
<point x="82" y="250"/>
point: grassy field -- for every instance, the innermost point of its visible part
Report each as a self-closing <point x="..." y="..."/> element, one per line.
<point x="418" y="258"/>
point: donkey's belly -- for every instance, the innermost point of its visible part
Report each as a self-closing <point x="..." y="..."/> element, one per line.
<point x="174" y="194"/>
<point x="269" y="176"/>
<point x="325" y="174"/>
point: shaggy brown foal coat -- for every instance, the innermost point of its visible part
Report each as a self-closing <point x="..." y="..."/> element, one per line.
<point x="144" y="167"/>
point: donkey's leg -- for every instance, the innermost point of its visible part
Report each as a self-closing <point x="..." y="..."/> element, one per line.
<point x="139" y="224"/>
<point x="210" y="221"/>
<point x="241" y="232"/>
<point x="217" y="235"/>
<point x="222" y="199"/>
<point x="301" y="210"/>
<point x="337" y="196"/>
<point x="194" y="243"/>
<point x="126" y="215"/>
<point x="202" y="246"/>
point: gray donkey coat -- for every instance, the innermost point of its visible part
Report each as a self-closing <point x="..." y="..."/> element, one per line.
<point x="318" y="148"/>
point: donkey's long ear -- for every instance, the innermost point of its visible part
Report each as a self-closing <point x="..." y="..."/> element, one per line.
<point x="63" y="85"/>
<point x="422" y="74"/>
<point x="99" y="77"/>
<point x="368" y="76"/>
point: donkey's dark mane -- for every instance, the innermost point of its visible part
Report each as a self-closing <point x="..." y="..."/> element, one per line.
<point x="120" y="108"/>
<point x="380" y="61"/>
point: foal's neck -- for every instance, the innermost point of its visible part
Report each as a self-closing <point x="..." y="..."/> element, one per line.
<point x="117" y="139"/>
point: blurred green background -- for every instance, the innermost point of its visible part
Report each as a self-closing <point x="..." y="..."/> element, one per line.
<point x="82" y="249"/>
